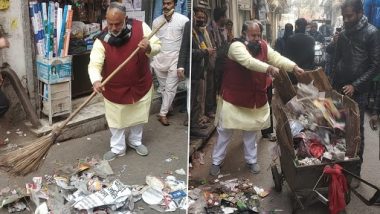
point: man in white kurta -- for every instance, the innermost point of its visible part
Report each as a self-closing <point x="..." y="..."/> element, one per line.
<point x="250" y="120"/>
<point x="136" y="113"/>
<point x="165" y="62"/>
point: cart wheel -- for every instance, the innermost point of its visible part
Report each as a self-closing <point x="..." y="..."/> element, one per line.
<point x="276" y="178"/>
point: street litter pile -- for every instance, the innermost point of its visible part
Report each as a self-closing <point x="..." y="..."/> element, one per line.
<point x="230" y="196"/>
<point x="318" y="126"/>
<point x="91" y="187"/>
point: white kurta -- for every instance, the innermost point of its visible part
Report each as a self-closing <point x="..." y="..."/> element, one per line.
<point x="170" y="36"/>
<point x="122" y="115"/>
<point x="229" y="116"/>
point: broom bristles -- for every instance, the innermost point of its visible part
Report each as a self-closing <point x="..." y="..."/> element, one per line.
<point x="27" y="159"/>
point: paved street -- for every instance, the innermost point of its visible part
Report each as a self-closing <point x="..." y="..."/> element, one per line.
<point x="163" y="142"/>
<point x="234" y="165"/>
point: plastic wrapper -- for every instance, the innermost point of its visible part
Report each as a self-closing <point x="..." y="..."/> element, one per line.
<point x="308" y="144"/>
<point x="296" y="127"/>
<point x="330" y="113"/>
<point x="309" y="161"/>
<point x="307" y="91"/>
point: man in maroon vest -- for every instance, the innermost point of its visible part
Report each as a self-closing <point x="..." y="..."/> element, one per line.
<point x="127" y="96"/>
<point x="243" y="103"/>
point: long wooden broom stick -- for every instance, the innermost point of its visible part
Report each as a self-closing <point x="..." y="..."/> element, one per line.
<point x="29" y="158"/>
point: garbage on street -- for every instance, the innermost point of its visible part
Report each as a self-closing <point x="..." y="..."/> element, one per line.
<point x="92" y="187"/>
<point x="228" y="196"/>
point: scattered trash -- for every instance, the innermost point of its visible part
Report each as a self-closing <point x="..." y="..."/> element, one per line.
<point x="260" y="191"/>
<point x="12" y="199"/>
<point x="90" y="186"/>
<point x="222" y="176"/>
<point x="8" y="132"/>
<point x="152" y="196"/>
<point x="17" y="207"/>
<point x="116" y="194"/>
<point x="88" y="138"/>
<point x="180" y="172"/>
<point x="228" y="196"/>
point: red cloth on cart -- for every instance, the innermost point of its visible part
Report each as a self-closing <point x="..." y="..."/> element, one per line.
<point x="337" y="188"/>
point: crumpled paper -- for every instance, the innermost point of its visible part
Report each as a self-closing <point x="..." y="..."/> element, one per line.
<point x="114" y="194"/>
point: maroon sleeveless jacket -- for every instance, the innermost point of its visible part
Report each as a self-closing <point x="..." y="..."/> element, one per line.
<point x="243" y="87"/>
<point x="135" y="79"/>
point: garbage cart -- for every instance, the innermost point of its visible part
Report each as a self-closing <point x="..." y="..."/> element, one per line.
<point x="304" y="181"/>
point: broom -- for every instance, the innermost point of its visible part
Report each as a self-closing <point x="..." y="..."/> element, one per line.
<point x="29" y="158"/>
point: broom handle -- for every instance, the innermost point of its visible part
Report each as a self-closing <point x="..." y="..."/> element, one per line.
<point x="72" y="115"/>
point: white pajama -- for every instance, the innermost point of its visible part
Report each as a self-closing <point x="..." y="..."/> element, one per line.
<point x="168" y="86"/>
<point x="118" y="145"/>
<point x="224" y="138"/>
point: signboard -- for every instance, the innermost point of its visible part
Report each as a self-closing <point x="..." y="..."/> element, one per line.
<point x="244" y="4"/>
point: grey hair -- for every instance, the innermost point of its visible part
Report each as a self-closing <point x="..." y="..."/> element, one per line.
<point x="250" y="23"/>
<point x="118" y="6"/>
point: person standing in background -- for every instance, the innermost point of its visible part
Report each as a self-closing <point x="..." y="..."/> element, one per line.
<point x="165" y="62"/>
<point x="300" y="48"/>
<point x="218" y="36"/>
<point x="280" y="44"/>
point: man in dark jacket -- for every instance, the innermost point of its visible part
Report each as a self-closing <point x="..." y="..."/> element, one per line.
<point x="300" y="48"/>
<point x="200" y="58"/>
<point x="357" y="61"/>
<point x="183" y="65"/>
<point x="280" y="44"/>
<point x="315" y="33"/>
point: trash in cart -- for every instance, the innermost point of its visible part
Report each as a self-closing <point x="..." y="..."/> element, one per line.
<point x="316" y="127"/>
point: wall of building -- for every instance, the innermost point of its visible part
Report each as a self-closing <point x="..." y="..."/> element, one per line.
<point x="15" y="21"/>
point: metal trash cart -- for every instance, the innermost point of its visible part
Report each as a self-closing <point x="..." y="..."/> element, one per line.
<point x="305" y="182"/>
